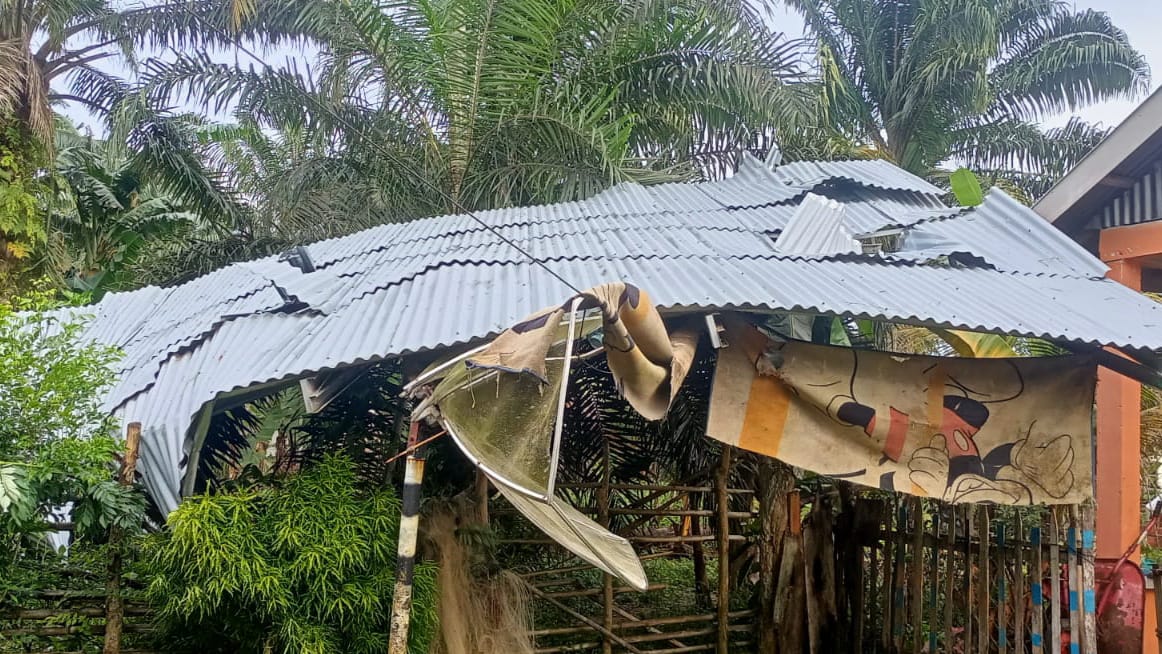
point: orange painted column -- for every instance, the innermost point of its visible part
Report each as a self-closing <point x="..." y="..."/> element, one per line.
<point x="1119" y="444"/>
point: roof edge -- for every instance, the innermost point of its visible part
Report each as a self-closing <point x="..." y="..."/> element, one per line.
<point x="1139" y="128"/>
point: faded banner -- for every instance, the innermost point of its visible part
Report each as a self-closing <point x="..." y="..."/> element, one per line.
<point x="1007" y="431"/>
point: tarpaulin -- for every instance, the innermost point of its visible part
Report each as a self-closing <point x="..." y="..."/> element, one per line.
<point x="1006" y="431"/>
<point x="503" y="404"/>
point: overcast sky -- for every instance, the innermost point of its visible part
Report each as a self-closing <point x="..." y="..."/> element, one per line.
<point x="1142" y="20"/>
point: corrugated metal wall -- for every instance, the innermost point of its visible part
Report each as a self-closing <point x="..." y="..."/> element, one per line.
<point x="1139" y="204"/>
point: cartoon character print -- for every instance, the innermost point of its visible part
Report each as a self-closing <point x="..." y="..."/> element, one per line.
<point x="951" y="465"/>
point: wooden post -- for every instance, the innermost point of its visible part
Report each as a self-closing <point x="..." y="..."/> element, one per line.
<point x="1073" y="571"/>
<point x="776" y="480"/>
<point x="481" y="492"/>
<point x="114" y="606"/>
<point x="916" y="582"/>
<point x="723" y="500"/>
<point x="1002" y="592"/>
<point x="970" y="529"/>
<point x="949" y="581"/>
<point x="606" y="578"/>
<point x="1037" y="593"/>
<point x="898" y="580"/>
<point x="1054" y="583"/>
<point x="1019" y="586"/>
<point x="982" y="584"/>
<point x="409" y="527"/>
<point x="1089" y="598"/>
<point x="934" y="584"/>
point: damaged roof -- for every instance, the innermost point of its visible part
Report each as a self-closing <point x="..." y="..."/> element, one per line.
<point x="439" y="282"/>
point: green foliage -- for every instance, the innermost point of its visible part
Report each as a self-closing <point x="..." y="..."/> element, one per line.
<point x="21" y="225"/>
<point x="416" y="109"/>
<point x="305" y="565"/>
<point x="57" y="444"/>
<point x="966" y="187"/>
<point x="106" y="214"/>
<point x="925" y="81"/>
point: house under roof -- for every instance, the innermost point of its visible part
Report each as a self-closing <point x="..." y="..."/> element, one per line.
<point x="439" y="282"/>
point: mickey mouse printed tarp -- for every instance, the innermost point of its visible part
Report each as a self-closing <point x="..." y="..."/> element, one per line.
<point x="1004" y="431"/>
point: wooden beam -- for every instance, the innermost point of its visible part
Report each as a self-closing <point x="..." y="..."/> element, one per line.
<point x="1130" y="242"/>
<point x="1118" y="181"/>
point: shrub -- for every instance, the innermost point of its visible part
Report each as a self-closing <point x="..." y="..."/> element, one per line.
<point x="305" y="565"/>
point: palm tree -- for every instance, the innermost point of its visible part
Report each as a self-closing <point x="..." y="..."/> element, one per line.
<point x="925" y="81"/>
<point x="42" y="41"/>
<point x="104" y="215"/>
<point x="422" y="107"/>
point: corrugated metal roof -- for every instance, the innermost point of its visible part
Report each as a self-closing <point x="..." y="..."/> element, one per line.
<point x="433" y="283"/>
<point x="817" y="228"/>
<point x="875" y="173"/>
<point x="1008" y="235"/>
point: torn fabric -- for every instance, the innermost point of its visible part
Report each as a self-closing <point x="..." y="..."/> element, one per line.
<point x="647" y="366"/>
<point x="503" y="405"/>
<point x="1005" y="431"/>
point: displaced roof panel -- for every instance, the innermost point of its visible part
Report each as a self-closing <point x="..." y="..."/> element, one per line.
<point x="875" y="173"/>
<point x="1008" y="235"/>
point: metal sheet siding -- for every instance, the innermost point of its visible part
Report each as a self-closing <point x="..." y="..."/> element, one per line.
<point x="434" y="283"/>
<point x="1138" y="204"/>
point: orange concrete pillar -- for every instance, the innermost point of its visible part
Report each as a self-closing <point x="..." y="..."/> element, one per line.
<point x="1119" y="438"/>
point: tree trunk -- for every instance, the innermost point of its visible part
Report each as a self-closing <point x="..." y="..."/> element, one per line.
<point x="775" y="480"/>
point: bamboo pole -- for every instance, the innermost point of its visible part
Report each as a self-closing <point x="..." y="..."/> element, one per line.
<point x="114" y="605"/>
<point x="409" y="526"/>
<point x="873" y="584"/>
<point x="600" y="629"/>
<point x="723" y="502"/>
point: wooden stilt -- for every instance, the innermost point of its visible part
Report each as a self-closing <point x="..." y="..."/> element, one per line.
<point x="723" y="502"/>
<point x="409" y="526"/>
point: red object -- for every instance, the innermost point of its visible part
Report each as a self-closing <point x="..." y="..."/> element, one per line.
<point x="1120" y="623"/>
